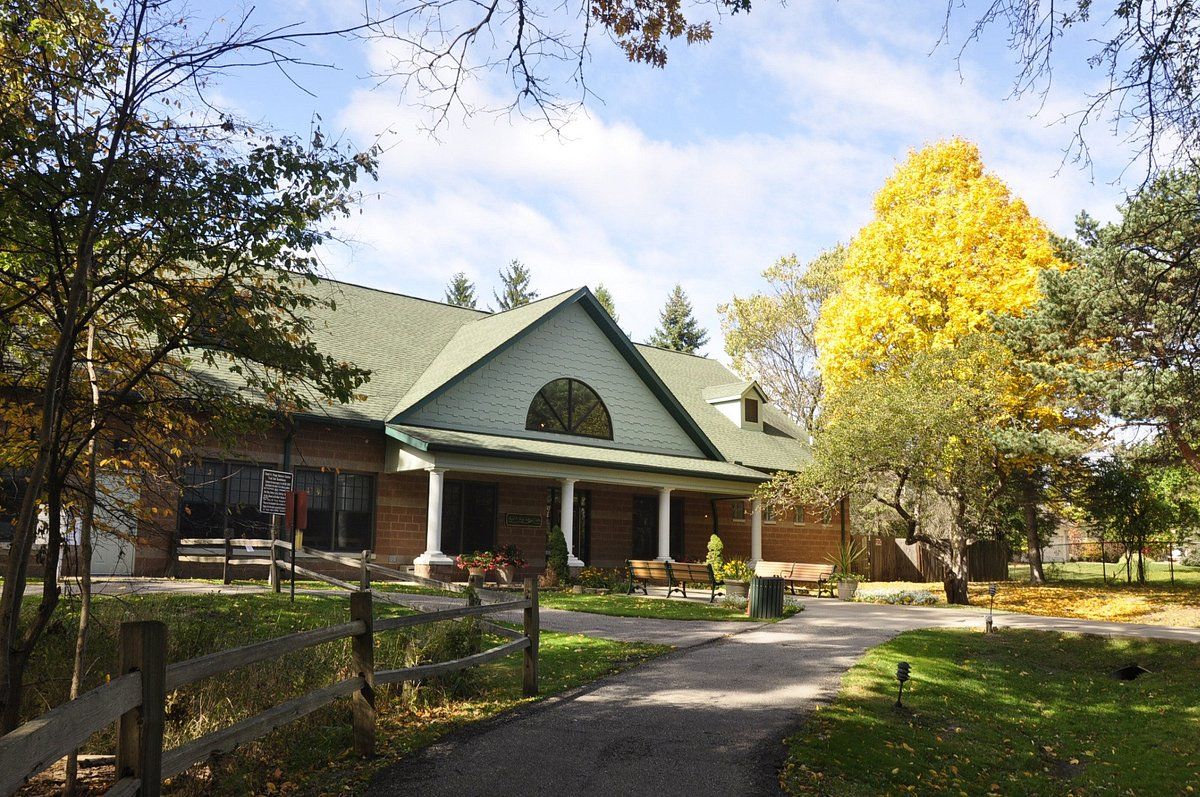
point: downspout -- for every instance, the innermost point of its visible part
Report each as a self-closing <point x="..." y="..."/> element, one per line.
<point x="712" y="502"/>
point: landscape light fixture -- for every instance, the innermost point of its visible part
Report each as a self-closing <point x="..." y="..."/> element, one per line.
<point x="901" y="675"/>
<point x="991" y="604"/>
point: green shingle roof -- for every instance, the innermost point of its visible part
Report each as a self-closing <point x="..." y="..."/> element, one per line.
<point x="415" y="347"/>
<point x="782" y="445"/>
<point x="575" y="453"/>
<point x="473" y="342"/>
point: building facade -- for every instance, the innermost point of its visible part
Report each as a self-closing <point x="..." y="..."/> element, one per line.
<point x="480" y="430"/>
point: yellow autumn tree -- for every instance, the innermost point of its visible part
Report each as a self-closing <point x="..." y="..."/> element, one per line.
<point x="949" y="247"/>
<point x="950" y="251"/>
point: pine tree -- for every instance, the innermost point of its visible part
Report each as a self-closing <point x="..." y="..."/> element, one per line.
<point x="678" y="328"/>
<point x="461" y="291"/>
<point x="606" y="301"/>
<point x="517" y="292"/>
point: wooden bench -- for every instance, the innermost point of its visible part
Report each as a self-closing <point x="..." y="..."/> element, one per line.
<point x="798" y="573"/>
<point x="675" y="576"/>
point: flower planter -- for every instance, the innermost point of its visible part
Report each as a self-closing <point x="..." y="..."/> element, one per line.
<point x="736" y="589"/>
<point x="505" y="574"/>
<point x="846" y="590"/>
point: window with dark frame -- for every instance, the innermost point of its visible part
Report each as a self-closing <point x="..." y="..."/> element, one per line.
<point x="341" y="509"/>
<point x="220" y="498"/>
<point x="751" y="406"/>
<point x="798" y="515"/>
<point x="219" y="495"/>
<point x="739" y="511"/>
<point x="569" y="406"/>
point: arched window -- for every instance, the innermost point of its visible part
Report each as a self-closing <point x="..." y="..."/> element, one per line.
<point x="568" y="406"/>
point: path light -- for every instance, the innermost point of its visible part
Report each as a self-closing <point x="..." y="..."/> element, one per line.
<point x="901" y="675"/>
<point x="991" y="604"/>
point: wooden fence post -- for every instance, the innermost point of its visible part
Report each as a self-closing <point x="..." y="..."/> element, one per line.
<point x="226" y="576"/>
<point x="143" y="648"/>
<point x="530" y="685"/>
<point x="363" y="701"/>
<point x="273" y="576"/>
<point x="364" y="575"/>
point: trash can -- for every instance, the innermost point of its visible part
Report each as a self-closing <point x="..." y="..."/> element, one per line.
<point x="766" y="597"/>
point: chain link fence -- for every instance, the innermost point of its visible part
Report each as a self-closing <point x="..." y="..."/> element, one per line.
<point x="1159" y="562"/>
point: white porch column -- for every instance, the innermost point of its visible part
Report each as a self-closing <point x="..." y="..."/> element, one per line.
<point x="566" y="519"/>
<point x="756" y="514"/>
<point x="664" y="524"/>
<point x="433" y="524"/>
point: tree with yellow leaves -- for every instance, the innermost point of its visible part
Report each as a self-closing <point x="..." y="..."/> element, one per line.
<point x="949" y="251"/>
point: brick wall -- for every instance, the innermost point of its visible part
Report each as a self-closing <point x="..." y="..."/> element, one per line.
<point x="401" y="509"/>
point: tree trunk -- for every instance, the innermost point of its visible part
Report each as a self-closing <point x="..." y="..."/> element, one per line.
<point x="955" y="582"/>
<point x="22" y="645"/>
<point x="1030" y="498"/>
<point x="85" y="558"/>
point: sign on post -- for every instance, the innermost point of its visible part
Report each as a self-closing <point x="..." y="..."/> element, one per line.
<point x="272" y="499"/>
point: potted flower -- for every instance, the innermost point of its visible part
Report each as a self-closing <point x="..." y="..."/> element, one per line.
<point x="844" y="562"/>
<point x="736" y="574"/>
<point x="477" y="563"/>
<point x="508" y="561"/>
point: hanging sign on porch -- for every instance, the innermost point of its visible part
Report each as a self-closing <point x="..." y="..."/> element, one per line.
<point x="515" y="519"/>
<point x="272" y="500"/>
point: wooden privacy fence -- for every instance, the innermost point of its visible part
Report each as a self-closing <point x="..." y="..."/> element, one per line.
<point x="135" y="699"/>
<point x="891" y="559"/>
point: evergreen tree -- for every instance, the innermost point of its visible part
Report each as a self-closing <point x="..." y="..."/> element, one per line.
<point x="678" y="328"/>
<point x="515" y="279"/>
<point x="461" y="291"/>
<point x="606" y="301"/>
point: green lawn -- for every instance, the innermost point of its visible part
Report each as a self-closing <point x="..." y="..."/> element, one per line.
<point x="199" y="624"/>
<point x="633" y="606"/>
<point x="1014" y="713"/>
<point x="1156" y="572"/>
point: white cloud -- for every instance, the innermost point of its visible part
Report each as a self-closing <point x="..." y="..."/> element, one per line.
<point x="612" y="203"/>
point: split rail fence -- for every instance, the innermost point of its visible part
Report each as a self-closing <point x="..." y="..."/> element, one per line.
<point x="135" y="700"/>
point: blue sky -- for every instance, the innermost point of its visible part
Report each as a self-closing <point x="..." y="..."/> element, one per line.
<point x="770" y="140"/>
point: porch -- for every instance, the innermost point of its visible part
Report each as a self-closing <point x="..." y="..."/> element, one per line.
<point x="610" y="511"/>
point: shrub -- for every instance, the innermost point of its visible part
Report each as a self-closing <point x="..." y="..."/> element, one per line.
<point x="557" y="566"/>
<point x="444" y="642"/>
<point x="716" y="554"/>
<point x="1192" y="558"/>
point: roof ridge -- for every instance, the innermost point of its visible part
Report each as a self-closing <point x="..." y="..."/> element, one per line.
<point x="387" y="292"/>
<point x="531" y="302"/>
<point x="676" y="351"/>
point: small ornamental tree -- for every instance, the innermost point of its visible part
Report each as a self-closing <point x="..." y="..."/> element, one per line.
<point x="557" y="564"/>
<point x="716" y="554"/>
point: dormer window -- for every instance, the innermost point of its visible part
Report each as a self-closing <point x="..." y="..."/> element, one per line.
<point x="740" y="402"/>
<point x="750" y="410"/>
<point x="568" y="406"/>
